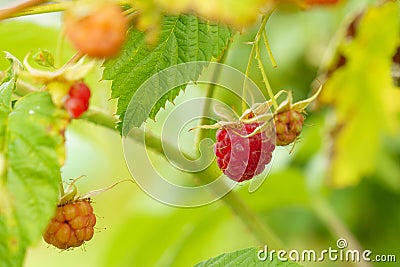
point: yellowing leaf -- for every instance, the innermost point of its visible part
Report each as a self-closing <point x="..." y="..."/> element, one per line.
<point x="363" y="95"/>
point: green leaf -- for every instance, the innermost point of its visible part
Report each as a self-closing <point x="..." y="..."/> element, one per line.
<point x="31" y="157"/>
<point x="183" y="38"/>
<point x="6" y="90"/>
<point x="14" y="68"/>
<point x="246" y="257"/>
<point x="365" y="100"/>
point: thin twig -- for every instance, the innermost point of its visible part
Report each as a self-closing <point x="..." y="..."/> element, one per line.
<point x="9" y="12"/>
<point x="265" y="78"/>
<point x="48" y="8"/>
<point x="254" y="44"/>
<point x="246" y="74"/>
<point x="75" y="58"/>
<point x="210" y="93"/>
<point x="267" y="46"/>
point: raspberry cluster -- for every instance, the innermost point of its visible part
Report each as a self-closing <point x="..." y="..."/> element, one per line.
<point x="72" y="225"/>
<point x="241" y="158"/>
<point x="288" y="126"/>
<point x="77" y="100"/>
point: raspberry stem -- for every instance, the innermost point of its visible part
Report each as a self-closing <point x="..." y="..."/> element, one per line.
<point x="34" y="7"/>
<point x="251" y="56"/>
<point x="210" y="93"/>
<point x="267" y="46"/>
<point x="61" y="186"/>
<point x="256" y="50"/>
<point x="9" y="12"/>
<point x="37" y="9"/>
<point x="60" y="45"/>
<point x="265" y="77"/>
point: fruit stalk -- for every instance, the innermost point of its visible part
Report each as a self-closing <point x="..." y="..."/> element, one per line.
<point x="210" y="93"/>
<point x="38" y="8"/>
<point x="254" y="48"/>
<point x="61" y="186"/>
<point x="265" y="77"/>
<point x="246" y="76"/>
<point x="271" y="56"/>
<point x="9" y="12"/>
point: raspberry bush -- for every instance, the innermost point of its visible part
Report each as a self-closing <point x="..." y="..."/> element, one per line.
<point x="70" y="90"/>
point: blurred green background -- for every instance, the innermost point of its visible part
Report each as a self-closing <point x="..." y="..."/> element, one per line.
<point x="135" y="230"/>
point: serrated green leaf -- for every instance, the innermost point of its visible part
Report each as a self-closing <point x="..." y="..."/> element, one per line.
<point x="183" y="38"/>
<point x="30" y="161"/>
<point x="364" y="97"/>
<point x="247" y="258"/>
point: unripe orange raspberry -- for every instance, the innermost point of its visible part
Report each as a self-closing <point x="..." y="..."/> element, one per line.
<point x="288" y="126"/>
<point x="99" y="33"/>
<point x="71" y="225"/>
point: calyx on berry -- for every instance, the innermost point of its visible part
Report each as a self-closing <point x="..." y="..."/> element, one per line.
<point x="70" y="72"/>
<point x="65" y="83"/>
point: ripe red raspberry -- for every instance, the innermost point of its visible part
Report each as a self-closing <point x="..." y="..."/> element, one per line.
<point x="80" y="90"/>
<point x="72" y="225"/>
<point x="288" y="125"/>
<point x="76" y="106"/>
<point x="242" y="158"/>
<point x="99" y="33"/>
<point x="77" y="101"/>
